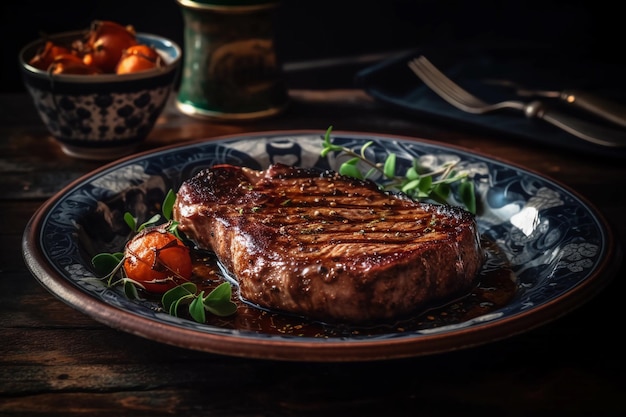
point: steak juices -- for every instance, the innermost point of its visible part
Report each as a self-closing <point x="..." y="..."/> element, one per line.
<point x="328" y="247"/>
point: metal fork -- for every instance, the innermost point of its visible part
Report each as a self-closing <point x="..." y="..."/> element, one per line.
<point x="463" y="100"/>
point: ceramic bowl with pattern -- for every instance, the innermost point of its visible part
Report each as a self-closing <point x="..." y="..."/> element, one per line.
<point x="104" y="116"/>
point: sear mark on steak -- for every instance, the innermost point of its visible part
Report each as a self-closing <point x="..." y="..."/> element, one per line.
<point x="326" y="246"/>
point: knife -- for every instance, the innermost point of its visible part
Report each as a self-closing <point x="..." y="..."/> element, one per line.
<point x="591" y="132"/>
<point x="606" y="109"/>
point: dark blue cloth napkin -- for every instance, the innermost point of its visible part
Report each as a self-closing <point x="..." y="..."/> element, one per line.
<point x="392" y="82"/>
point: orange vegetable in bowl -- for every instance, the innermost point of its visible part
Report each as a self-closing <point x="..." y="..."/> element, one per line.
<point x="44" y="58"/>
<point x="105" y="48"/>
<point x="106" y="41"/>
<point x="68" y="63"/>
<point x="157" y="260"/>
<point x="138" y="57"/>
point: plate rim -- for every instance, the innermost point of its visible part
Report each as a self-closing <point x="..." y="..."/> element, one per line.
<point x="310" y="349"/>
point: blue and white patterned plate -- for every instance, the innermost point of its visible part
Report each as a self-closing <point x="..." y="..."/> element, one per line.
<point x="558" y="247"/>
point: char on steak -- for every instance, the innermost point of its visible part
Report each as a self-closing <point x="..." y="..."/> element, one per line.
<point x="326" y="246"/>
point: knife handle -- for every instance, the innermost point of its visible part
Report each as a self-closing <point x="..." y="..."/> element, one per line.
<point x="591" y="132"/>
<point x="606" y="109"/>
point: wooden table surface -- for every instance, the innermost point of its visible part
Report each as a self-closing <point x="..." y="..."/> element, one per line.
<point x="57" y="361"/>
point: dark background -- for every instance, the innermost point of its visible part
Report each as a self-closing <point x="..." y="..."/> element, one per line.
<point x="307" y="30"/>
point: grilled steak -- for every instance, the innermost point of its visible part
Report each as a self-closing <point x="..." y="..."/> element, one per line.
<point x="326" y="246"/>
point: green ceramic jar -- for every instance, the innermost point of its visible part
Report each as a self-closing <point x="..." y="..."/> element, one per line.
<point x="230" y="68"/>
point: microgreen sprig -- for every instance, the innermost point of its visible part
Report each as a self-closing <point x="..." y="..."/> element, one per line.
<point x="110" y="267"/>
<point x="217" y="302"/>
<point x="417" y="182"/>
<point x="166" y="213"/>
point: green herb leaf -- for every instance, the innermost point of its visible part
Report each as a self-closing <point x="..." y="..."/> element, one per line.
<point x="177" y="293"/>
<point x="150" y="222"/>
<point x="173" y="310"/>
<point x="130" y="290"/>
<point x="412" y="174"/>
<point x="364" y="148"/>
<point x="173" y="229"/>
<point x="439" y="193"/>
<point x="327" y="137"/>
<point x="328" y="145"/>
<point x="196" y="309"/>
<point x="350" y="169"/>
<point x="168" y="204"/>
<point x="425" y="184"/>
<point x="130" y="221"/>
<point x="219" y="301"/>
<point x="390" y="166"/>
<point x="107" y="263"/>
<point x="468" y="195"/>
<point x="410" y="186"/>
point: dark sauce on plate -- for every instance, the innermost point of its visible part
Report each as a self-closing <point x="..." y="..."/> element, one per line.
<point x="495" y="287"/>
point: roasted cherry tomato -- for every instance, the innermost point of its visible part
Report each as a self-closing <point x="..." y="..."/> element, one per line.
<point x="105" y="43"/>
<point x="138" y="57"/>
<point x="46" y="56"/>
<point x="157" y="260"/>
